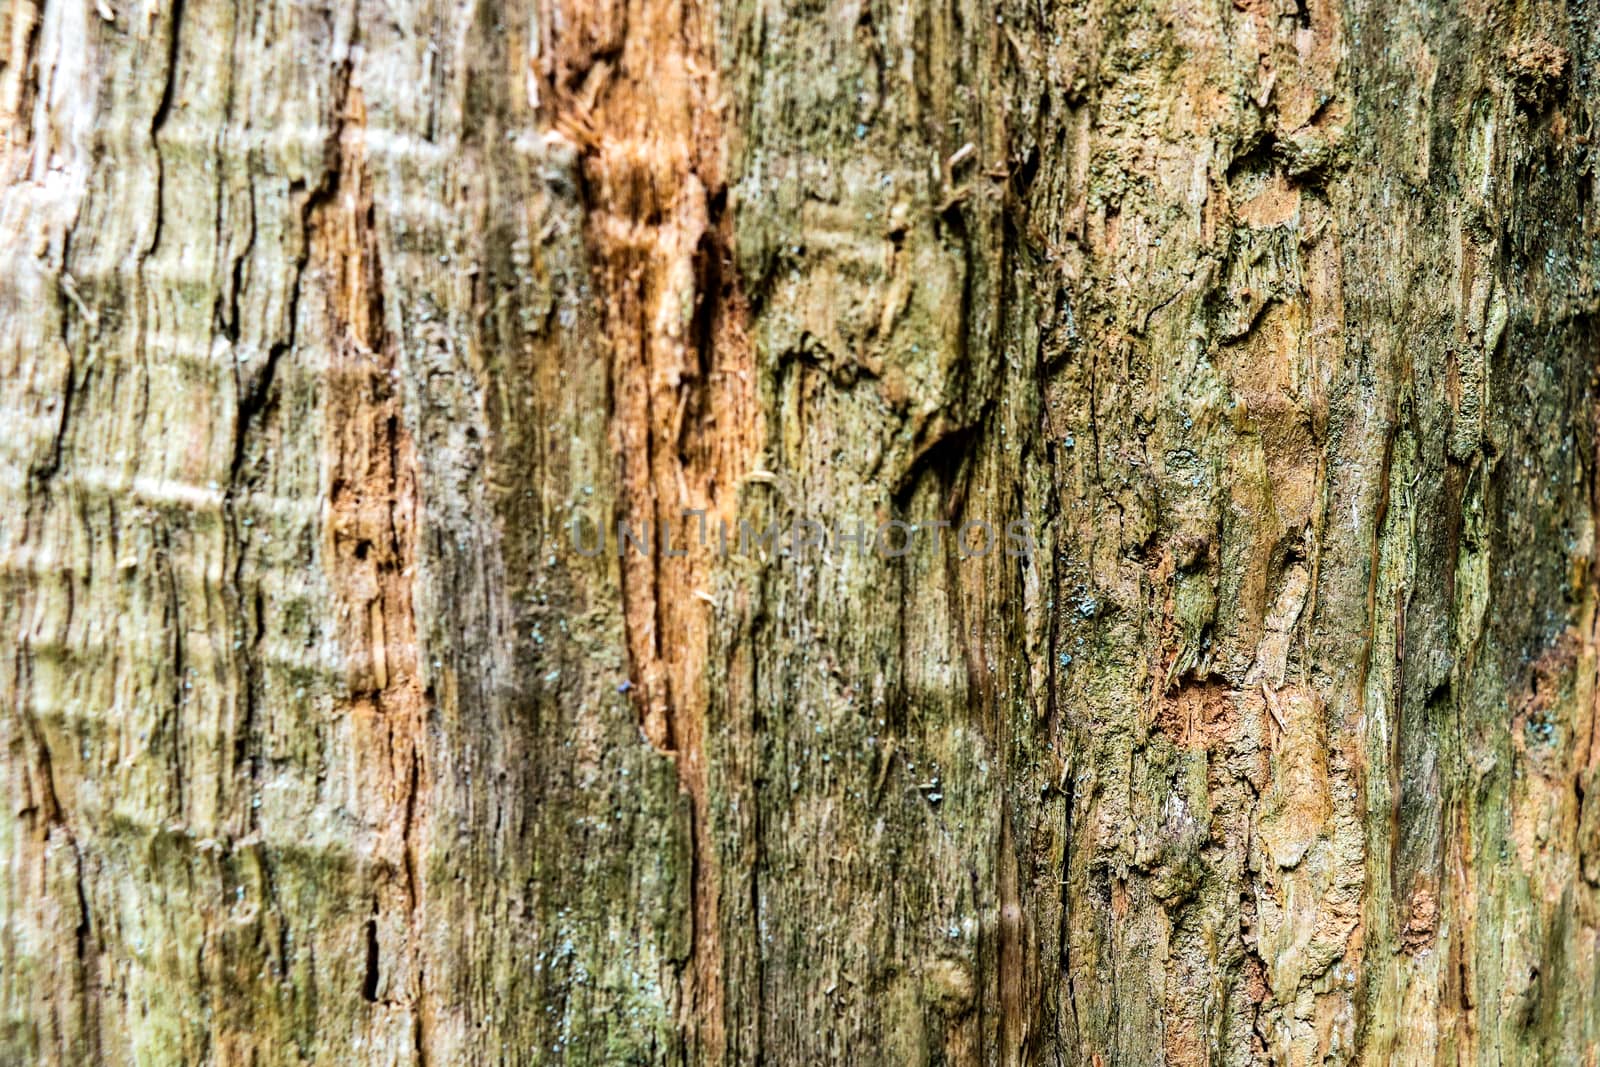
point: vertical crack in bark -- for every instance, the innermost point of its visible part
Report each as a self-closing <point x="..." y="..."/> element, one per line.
<point x="163" y="110"/>
<point x="637" y="88"/>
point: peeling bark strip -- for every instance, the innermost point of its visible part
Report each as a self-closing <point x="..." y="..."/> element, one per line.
<point x="644" y="108"/>
<point x="1276" y="319"/>
<point x="636" y="86"/>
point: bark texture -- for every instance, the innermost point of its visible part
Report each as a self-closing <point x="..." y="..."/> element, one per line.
<point x="322" y="320"/>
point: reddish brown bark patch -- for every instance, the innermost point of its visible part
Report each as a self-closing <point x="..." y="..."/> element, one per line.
<point x="370" y="552"/>
<point x="1201" y="716"/>
<point x="637" y="88"/>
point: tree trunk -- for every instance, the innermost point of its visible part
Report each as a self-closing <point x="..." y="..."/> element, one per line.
<point x="333" y="334"/>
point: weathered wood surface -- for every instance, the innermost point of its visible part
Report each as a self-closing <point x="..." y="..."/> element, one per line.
<point x="320" y="322"/>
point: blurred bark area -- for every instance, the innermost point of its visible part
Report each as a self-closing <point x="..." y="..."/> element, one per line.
<point x="321" y="322"/>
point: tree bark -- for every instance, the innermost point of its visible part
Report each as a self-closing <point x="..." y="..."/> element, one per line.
<point x="323" y="324"/>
